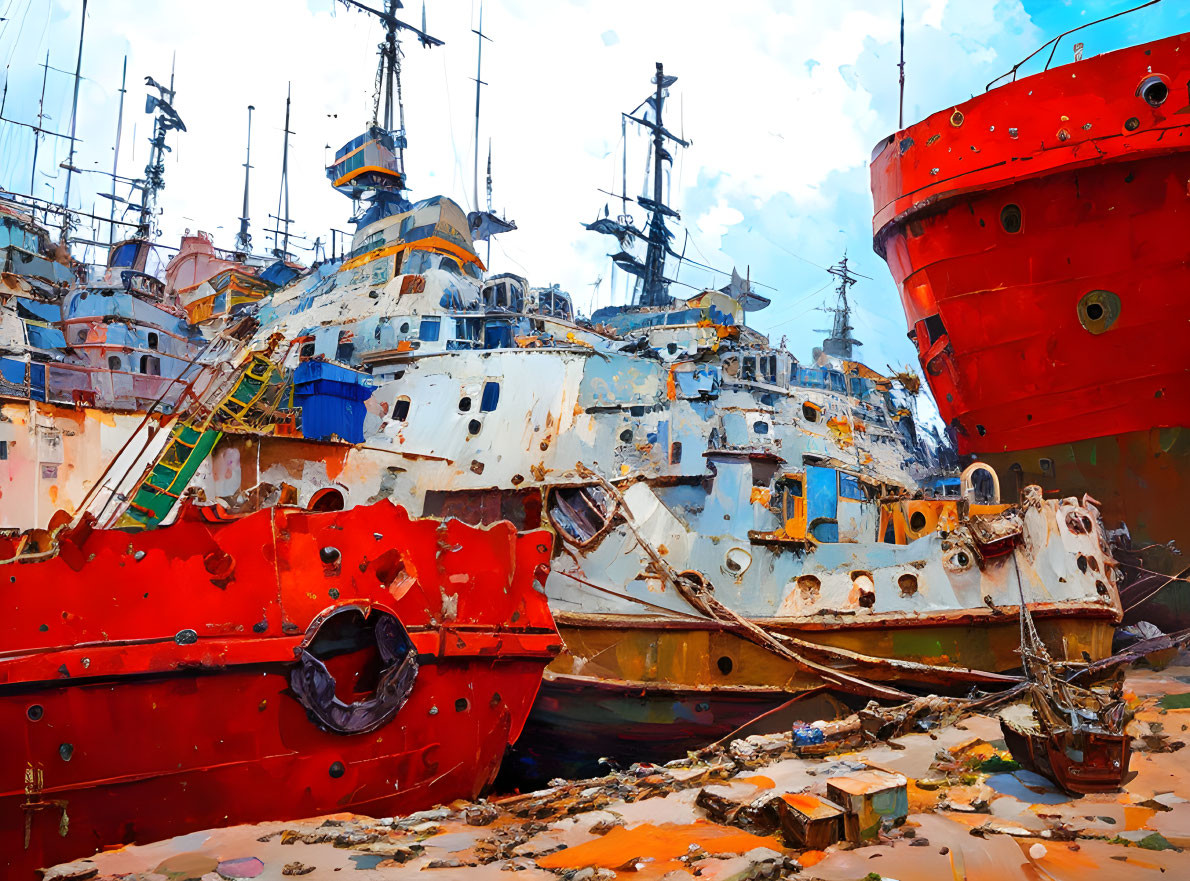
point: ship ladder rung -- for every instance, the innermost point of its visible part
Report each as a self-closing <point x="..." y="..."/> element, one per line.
<point x="161" y="491"/>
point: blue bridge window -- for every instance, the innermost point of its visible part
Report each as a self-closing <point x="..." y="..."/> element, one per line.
<point x="490" y="398"/>
<point x="429" y="329"/>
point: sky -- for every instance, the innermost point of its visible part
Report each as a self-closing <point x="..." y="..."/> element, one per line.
<point x="782" y="103"/>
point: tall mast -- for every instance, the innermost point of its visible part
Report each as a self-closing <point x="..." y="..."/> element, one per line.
<point x="840" y="343"/>
<point x="40" y="119"/>
<point x="624" y="167"/>
<point x="488" y="259"/>
<point x="479" y="84"/>
<point x="391" y="62"/>
<point x="165" y="120"/>
<point x="111" y="236"/>
<point x="656" y="286"/>
<point x="243" y="239"/>
<point x="78" y="69"/>
<point x="370" y="168"/>
<point x="653" y="267"/>
<point x="283" y="196"/>
<point x="901" y="66"/>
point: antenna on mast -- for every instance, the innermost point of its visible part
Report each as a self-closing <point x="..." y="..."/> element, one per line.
<point x="67" y="223"/>
<point x="40" y="123"/>
<point x="116" y="152"/>
<point x="479" y="84"/>
<point x="655" y="288"/>
<point x="243" y="237"/>
<point x="374" y="162"/>
<point x="840" y="343"/>
<point x="283" y="196"/>
<point x="483" y="222"/>
<point x="901" y="108"/>
<point x="165" y="121"/>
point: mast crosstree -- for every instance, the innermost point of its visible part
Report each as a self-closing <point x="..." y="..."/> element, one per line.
<point x="840" y="343"/>
<point x="654" y="284"/>
<point x="371" y="166"/>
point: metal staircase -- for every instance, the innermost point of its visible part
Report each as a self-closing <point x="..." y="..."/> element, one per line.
<point x="192" y="438"/>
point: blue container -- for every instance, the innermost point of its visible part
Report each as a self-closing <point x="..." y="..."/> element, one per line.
<point x="332" y="400"/>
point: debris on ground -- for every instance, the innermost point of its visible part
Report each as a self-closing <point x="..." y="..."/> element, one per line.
<point x="949" y="801"/>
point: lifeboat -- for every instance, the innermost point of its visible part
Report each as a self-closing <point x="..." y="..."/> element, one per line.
<point x="283" y="664"/>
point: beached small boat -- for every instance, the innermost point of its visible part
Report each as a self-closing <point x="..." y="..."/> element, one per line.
<point x="1081" y="753"/>
<point x="231" y="670"/>
<point x="1071" y="734"/>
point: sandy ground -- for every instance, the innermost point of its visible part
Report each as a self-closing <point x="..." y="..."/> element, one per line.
<point x="644" y="824"/>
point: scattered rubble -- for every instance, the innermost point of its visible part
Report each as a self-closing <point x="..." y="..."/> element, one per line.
<point x="754" y="808"/>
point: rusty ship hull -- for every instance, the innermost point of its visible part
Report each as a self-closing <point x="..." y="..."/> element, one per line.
<point x="674" y="686"/>
<point x="1037" y="235"/>
<point x="278" y="665"/>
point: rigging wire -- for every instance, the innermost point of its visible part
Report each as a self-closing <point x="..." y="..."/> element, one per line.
<point x="1169" y="579"/>
<point x="795" y="303"/>
<point x="509" y="258"/>
<point x="457" y="171"/>
<point x="21" y="29"/>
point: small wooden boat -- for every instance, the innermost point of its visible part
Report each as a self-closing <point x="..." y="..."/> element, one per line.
<point x="1073" y="735"/>
<point x="1080" y="752"/>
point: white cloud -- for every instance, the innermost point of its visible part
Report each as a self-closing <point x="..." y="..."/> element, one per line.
<point x="781" y="137"/>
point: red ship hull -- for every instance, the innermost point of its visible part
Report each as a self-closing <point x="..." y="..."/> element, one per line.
<point x="1038" y="234"/>
<point x="157" y="683"/>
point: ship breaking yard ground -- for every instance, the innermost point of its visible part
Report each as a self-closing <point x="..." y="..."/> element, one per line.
<point x="934" y="794"/>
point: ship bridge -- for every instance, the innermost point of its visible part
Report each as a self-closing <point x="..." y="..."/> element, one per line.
<point x="436" y="225"/>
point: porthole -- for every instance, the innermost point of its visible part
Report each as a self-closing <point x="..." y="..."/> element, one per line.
<point x="1010" y="218"/>
<point x="810" y="412"/>
<point x="958" y="559"/>
<point x="917" y="521"/>
<point x="404" y="327"/>
<point x="626" y="435"/>
<point x="809" y="584"/>
<point x="725" y="665"/>
<point x="327" y="499"/>
<point x="956" y="118"/>
<point x="1154" y="90"/>
<point x="356" y="667"/>
<point x="1098" y="311"/>
<point x="737" y="560"/>
<point x="464" y="404"/>
<point x="908" y="584"/>
<point x="474" y="426"/>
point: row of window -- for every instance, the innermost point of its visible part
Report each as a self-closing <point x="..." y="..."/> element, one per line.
<point x="763" y="368"/>
<point x="152" y="341"/>
<point x="149" y="364"/>
<point x="489" y="399"/>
